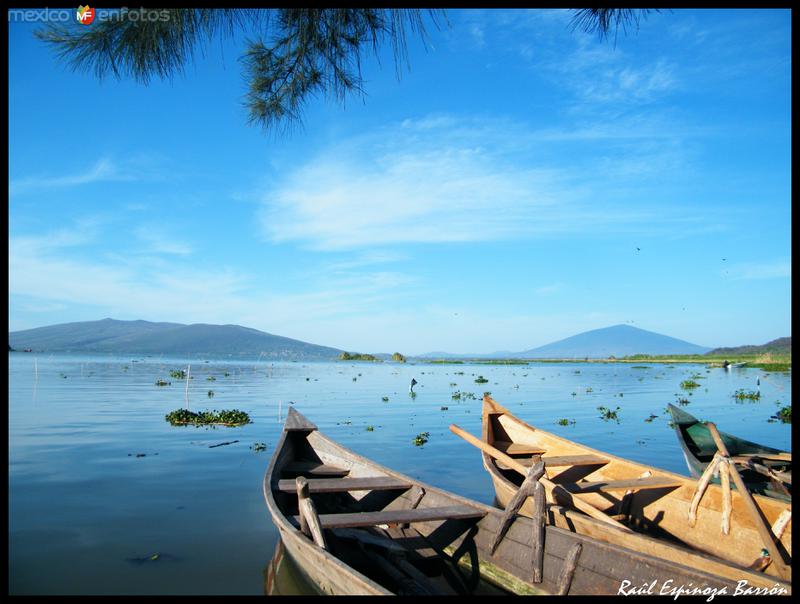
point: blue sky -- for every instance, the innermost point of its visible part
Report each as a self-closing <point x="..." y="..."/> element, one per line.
<point x="492" y="198"/>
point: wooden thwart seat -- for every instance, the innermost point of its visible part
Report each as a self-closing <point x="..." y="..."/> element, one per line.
<point x="652" y="482"/>
<point x="313" y="468"/>
<point x="510" y="448"/>
<point x="341" y="485"/>
<point x="349" y="520"/>
<point x="559" y="461"/>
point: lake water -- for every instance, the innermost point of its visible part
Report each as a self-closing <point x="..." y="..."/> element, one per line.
<point x="89" y="516"/>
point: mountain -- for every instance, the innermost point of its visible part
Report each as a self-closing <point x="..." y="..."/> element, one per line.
<point x="617" y="340"/>
<point x="110" y="335"/>
<point x="779" y="346"/>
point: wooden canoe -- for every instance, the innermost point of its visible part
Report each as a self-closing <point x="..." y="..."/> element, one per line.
<point x="765" y="470"/>
<point x="385" y="533"/>
<point x="653" y="502"/>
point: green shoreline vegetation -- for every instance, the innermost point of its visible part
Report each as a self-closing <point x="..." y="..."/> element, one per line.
<point x="767" y="362"/>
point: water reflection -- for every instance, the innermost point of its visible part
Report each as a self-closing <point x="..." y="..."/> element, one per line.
<point x="283" y="577"/>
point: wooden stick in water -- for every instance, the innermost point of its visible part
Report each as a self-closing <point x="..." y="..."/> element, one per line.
<point x="763" y="529"/>
<point x="552" y="488"/>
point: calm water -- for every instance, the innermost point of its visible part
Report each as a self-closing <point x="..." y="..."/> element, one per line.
<point x="86" y="514"/>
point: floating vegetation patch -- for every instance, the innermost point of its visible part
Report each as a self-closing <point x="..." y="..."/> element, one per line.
<point x="421" y="438"/>
<point x="211" y="378"/>
<point x="370" y="428"/>
<point x="210" y="393"/>
<point x="480" y="380"/>
<point x="589" y="390"/>
<point x="640" y="367"/>
<point x="456" y="396"/>
<point x="746" y="395"/>
<point x="651" y="418"/>
<point x="447" y="362"/>
<point x="607" y="414"/>
<point x="784" y="415"/>
<point x="161" y="382"/>
<point x="178" y="374"/>
<point x="184" y="417"/>
<point x="385" y="399"/>
<point x="689" y="384"/>
<point x="258" y="447"/>
<point x="682" y="402"/>
<point x="485" y="394"/>
<point x="565" y="422"/>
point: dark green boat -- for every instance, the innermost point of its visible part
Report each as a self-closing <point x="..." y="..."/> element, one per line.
<point x="764" y="470"/>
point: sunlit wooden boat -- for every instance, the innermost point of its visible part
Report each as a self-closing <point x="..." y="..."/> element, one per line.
<point x="765" y="470"/>
<point x="370" y="530"/>
<point x="653" y="503"/>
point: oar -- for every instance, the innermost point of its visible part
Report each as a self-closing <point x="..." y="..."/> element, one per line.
<point x="762" y="527"/>
<point x="552" y="488"/>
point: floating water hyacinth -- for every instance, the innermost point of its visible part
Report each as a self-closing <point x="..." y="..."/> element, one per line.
<point x="233" y="417"/>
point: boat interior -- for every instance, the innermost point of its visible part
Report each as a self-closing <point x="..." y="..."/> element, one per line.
<point x="371" y="520"/>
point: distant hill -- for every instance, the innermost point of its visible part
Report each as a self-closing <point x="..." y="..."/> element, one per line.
<point x="617" y="341"/>
<point x="110" y="335"/>
<point x="779" y="346"/>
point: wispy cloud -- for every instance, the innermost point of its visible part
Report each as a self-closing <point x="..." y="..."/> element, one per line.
<point x="59" y="270"/>
<point x="157" y="241"/>
<point x="445" y="179"/>
<point x="780" y="269"/>
<point x="105" y="169"/>
<point x="552" y="288"/>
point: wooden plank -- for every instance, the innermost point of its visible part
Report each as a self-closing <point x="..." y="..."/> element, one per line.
<point x="510" y="448"/>
<point x="343" y="485"/>
<point x="349" y="520"/>
<point x="313" y="468"/>
<point x="558" y="461"/>
<point x="653" y="482"/>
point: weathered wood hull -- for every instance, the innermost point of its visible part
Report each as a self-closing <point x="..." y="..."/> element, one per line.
<point x="602" y="568"/>
<point x="661" y="513"/>
<point x="699" y="448"/>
